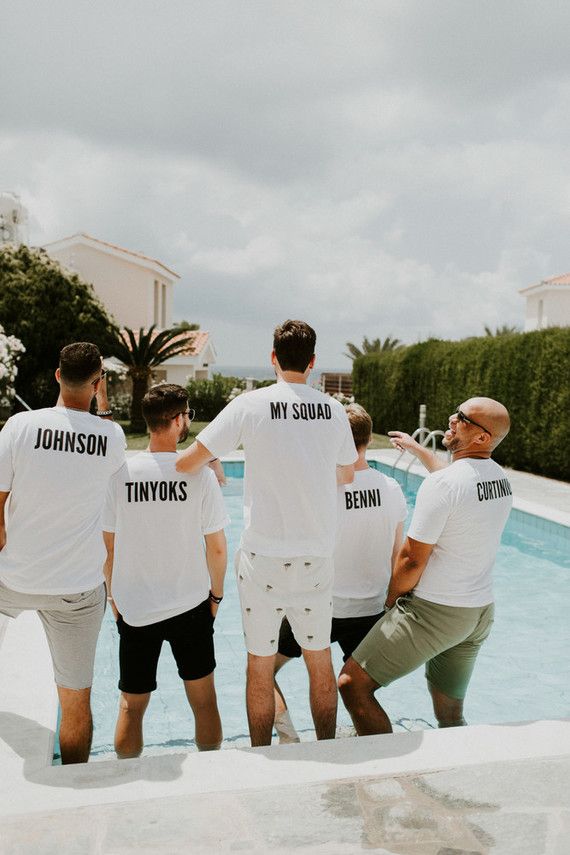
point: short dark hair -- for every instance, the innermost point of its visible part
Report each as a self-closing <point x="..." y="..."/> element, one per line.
<point x="360" y="424"/>
<point x="162" y="403"/>
<point x="78" y="362"/>
<point x="294" y="345"/>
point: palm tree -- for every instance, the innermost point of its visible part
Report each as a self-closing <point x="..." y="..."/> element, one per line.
<point x="141" y="352"/>
<point x="375" y="346"/>
<point x="505" y="329"/>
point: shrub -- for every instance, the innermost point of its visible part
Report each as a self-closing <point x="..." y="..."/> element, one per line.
<point x="527" y="372"/>
<point x="208" y="397"/>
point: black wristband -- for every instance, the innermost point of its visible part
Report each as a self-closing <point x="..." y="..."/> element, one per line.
<point x="104" y="413"/>
<point x="215" y="599"/>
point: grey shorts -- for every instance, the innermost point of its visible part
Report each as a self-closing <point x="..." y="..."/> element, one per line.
<point x="416" y="632"/>
<point x="71" y="623"/>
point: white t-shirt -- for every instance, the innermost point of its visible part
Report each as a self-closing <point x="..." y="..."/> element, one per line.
<point x="293" y="437"/>
<point x="159" y="517"/>
<point x="463" y="510"/>
<point x="56" y="463"/>
<point x="369" y="511"/>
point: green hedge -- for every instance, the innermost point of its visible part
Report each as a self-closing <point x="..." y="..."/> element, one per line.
<point x="528" y="372"/>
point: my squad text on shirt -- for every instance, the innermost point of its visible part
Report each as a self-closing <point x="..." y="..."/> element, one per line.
<point x="305" y="412"/>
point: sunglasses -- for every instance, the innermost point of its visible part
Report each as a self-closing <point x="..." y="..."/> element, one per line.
<point x="466" y="420"/>
<point x="98" y="379"/>
<point x="190" y="413"/>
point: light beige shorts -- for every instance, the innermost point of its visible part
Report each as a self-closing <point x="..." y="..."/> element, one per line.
<point x="446" y="638"/>
<point x="272" y="588"/>
<point x="71" y="623"/>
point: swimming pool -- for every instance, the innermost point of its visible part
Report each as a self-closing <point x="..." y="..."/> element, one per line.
<point x="521" y="673"/>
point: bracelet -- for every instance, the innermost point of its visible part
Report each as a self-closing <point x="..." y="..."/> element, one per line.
<point x="215" y="599"/>
<point x="104" y="413"/>
<point x="213" y="460"/>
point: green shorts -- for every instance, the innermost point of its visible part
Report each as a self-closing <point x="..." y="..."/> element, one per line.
<point x="415" y="632"/>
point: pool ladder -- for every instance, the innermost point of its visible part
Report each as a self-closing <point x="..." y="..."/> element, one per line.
<point x="430" y="437"/>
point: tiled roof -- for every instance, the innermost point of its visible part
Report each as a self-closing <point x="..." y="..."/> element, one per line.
<point x="564" y="279"/>
<point x="115" y="246"/>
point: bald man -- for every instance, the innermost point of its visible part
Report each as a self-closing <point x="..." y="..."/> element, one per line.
<point x="439" y="607"/>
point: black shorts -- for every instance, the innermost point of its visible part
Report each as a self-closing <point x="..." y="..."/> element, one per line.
<point x="191" y="637"/>
<point x="349" y="632"/>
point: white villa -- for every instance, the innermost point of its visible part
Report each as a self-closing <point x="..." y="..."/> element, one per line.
<point x="547" y="303"/>
<point x="138" y="292"/>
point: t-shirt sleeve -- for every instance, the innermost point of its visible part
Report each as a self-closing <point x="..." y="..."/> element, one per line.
<point x="109" y="518"/>
<point x="214" y="515"/>
<point x="347" y="453"/>
<point x="119" y="447"/>
<point x="431" y="511"/>
<point x="224" y="433"/>
<point x="6" y="459"/>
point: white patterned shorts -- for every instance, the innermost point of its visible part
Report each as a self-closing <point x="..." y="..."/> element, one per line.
<point x="272" y="588"/>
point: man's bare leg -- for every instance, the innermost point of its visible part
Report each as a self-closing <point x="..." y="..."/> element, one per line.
<point x="76" y="726"/>
<point x="357" y="692"/>
<point x="448" y="711"/>
<point x="283" y="725"/>
<point x="260" y="698"/>
<point x="129" y="729"/>
<point x="201" y="696"/>
<point x="322" y="692"/>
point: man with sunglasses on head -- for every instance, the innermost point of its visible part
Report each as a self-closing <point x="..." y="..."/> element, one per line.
<point x="165" y="571"/>
<point x="55" y="464"/>
<point x="440" y="598"/>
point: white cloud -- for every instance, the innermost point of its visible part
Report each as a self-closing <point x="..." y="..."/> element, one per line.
<point x="389" y="168"/>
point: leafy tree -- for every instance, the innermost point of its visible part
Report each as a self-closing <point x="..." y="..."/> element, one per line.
<point x="375" y="346"/>
<point x="505" y="329"/>
<point x="142" y="352"/>
<point x="11" y="349"/>
<point x="47" y="308"/>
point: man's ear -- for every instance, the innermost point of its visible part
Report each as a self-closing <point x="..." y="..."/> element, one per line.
<point x="58" y="375"/>
<point x="311" y="362"/>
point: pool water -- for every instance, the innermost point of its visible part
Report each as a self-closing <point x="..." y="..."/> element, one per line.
<point x="521" y="673"/>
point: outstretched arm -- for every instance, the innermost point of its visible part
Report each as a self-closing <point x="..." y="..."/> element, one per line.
<point x="404" y="442"/>
<point x="410" y="565"/>
<point x="193" y="458"/>
<point x="216" y="559"/>
<point x="345" y="474"/>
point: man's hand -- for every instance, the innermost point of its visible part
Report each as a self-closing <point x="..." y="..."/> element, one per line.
<point x="403" y="441"/>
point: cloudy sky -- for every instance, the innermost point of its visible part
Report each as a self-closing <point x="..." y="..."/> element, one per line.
<point x="393" y="167"/>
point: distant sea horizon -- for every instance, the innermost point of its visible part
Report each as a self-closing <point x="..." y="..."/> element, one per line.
<point x="266" y="372"/>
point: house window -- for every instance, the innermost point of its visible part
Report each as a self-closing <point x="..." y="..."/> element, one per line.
<point x="155" y="316"/>
<point x="163" y="306"/>
<point x="540" y="314"/>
